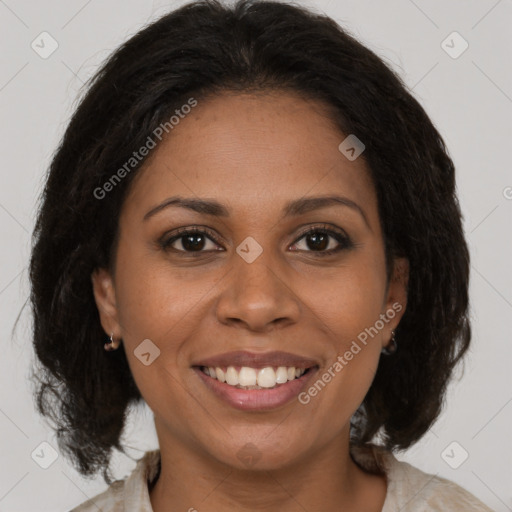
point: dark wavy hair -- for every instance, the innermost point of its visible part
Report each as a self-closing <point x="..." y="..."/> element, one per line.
<point x="202" y="49"/>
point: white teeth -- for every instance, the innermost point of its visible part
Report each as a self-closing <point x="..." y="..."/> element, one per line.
<point x="266" y="377"/>
<point x="252" y="378"/>
<point x="220" y="374"/>
<point x="232" y="376"/>
<point x="247" y="376"/>
<point x="281" y="375"/>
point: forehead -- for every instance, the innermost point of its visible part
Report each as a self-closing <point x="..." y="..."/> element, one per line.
<point x="253" y="151"/>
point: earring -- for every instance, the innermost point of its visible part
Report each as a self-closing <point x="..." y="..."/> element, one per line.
<point x="110" y="345"/>
<point x="392" y="347"/>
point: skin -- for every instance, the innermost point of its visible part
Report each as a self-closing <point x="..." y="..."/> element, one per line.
<point x="253" y="154"/>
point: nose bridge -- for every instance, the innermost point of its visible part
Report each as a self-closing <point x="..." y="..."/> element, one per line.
<point x="257" y="280"/>
<point x="257" y="293"/>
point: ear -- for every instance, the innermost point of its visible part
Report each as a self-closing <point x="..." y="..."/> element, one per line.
<point x="105" y="297"/>
<point x="396" y="299"/>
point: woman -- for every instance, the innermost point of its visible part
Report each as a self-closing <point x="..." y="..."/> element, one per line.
<point x="258" y="222"/>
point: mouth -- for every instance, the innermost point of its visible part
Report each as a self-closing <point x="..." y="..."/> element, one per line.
<point x="246" y="377"/>
<point x="255" y="389"/>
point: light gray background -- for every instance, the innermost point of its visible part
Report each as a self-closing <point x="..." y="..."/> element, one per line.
<point x="470" y="101"/>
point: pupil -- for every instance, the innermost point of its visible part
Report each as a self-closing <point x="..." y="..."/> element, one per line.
<point x="323" y="239"/>
<point x="189" y="244"/>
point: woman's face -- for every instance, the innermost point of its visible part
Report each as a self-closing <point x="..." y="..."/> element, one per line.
<point x="252" y="281"/>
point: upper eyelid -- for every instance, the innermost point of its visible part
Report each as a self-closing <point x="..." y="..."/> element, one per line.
<point x="208" y="232"/>
<point x="324" y="227"/>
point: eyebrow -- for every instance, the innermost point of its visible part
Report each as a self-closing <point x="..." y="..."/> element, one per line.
<point x="292" y="208"/>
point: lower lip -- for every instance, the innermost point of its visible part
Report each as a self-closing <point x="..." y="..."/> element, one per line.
<point x="257" y="399"/>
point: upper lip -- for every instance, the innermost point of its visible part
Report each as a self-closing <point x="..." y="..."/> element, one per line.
<point x="257" y="360"/>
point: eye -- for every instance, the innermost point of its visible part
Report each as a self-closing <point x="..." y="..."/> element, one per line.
<point x="190" y="240"/>
<point x="324" y="240"/>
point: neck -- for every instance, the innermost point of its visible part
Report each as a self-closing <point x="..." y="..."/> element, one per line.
<point x="327" y="480"/>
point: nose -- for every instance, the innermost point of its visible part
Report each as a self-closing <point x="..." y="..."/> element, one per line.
<point x="258" y="296"/>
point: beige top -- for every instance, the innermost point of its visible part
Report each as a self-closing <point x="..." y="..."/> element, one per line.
<point x="408" y="488"/>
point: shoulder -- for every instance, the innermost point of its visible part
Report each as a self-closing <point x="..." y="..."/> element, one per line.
<point x="128" y="494"/>
<point x="112" y="500"/>
<point x="413" y="490"/>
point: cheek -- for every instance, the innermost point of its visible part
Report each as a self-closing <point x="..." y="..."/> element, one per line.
<point x="152" y="298"/>
<point x="159" y="303"/>
<point x="153" y="305"/>
<point x="349" y="299"/>
<point x="347" y="309"/>
<point x="354" y="349"/>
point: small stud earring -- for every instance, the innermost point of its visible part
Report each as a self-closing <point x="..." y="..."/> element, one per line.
<point x="392" y="347"/>
<point x="110" y="345"/>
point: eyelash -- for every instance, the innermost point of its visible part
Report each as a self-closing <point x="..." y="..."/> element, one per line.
<point x="344" y="241"/>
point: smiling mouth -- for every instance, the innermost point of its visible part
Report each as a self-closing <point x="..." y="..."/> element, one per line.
<point x="248" y="378"/>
